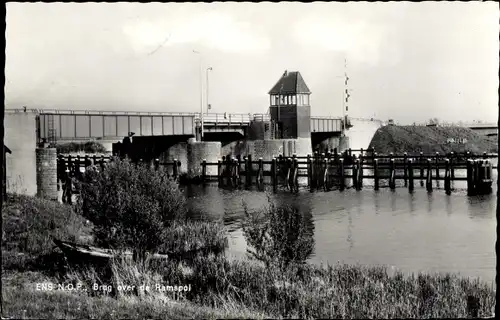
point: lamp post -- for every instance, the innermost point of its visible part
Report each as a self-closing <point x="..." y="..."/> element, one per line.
<point x="208" y="105"/>
<point x="201" y="93"/>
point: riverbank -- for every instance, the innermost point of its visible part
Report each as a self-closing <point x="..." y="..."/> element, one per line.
<point x="429" y="140"/>
<point x="221" y="288"/>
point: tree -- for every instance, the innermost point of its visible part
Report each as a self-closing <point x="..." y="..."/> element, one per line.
<point x="131" y="206"/>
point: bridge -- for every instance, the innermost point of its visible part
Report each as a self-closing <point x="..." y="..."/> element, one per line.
<point x="70" y="125"/>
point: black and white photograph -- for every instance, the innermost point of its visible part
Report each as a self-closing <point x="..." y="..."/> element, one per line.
<point x="267" y="160"/>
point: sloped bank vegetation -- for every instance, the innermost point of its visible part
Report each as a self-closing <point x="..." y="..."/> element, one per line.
<point x="429" y="140"/>
<point x="138" y="208"/>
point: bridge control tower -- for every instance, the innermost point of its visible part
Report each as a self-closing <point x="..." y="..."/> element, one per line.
<point x="289" y="107"/>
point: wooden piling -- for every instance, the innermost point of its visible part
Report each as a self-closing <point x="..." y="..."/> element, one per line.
<point x="309" y="170"/>
<point x="392" y="175"/>
<point x="452" y="171"/>
<point x="437" y="166"/>
<point x="428" y="180"/>
<point x="248" y="171"/>
<point x="341" y="174"/>
<point x="175" y="172"/>
<point x="360" y="173"/>
<point x="405" y="172"/>
<point x="157" y="164"/>
<point x="421" y="165"/>
<point x="410" y="175"/>
<point x="103" y="162"/>
<point x="470" y="178"/>
<point x="326" y="180"/>
<point x="355" y="174"/>
<point x="274" y="178"/>
<point x="94" y="160"/>
<point x="375" y="173"/>
<point x="204" y="171"/>
<point x="447" y="177"/>
<point x="219" y="172"/>
<point x="260" y="177"/>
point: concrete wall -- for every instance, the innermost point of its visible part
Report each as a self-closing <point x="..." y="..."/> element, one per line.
<point x="178" y="151"/>
<point x="46" y="174"/>
<point x="259" y="130"/>
<point x="197" y="151"/>
<point x="20" y="137"/>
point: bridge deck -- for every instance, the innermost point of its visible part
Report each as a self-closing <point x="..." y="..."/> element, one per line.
<point x="88" y="124"/>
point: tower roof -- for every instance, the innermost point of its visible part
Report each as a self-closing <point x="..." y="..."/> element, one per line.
<point x="290" y="83"/>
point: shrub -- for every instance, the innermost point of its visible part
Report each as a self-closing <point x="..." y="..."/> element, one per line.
<point x="279" y="235"/>
<point x="131" y="206"/>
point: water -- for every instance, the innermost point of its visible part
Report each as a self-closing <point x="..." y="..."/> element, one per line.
<point x="410" y="232"/>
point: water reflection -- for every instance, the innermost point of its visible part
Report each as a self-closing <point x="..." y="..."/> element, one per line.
<point x="416" y="231"/>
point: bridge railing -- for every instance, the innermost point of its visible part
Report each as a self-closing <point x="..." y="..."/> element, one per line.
<point x="231" y="118"/>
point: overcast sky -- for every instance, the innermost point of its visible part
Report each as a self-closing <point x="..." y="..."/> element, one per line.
<point x="406" y="61"/>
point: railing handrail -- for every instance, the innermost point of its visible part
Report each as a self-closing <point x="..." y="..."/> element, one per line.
<point x="101" y="112"/>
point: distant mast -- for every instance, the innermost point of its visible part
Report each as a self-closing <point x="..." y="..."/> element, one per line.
<point x="345" y="108"/>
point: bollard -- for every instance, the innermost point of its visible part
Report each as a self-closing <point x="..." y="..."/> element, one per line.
<point x="410" y="174"/>
<point x="273" y="175"/>
<point x="428" y="180"/>
<point x="375" y="173"/>
<point x="204" y="171"/>
<point x="447" y="177"/>
<point x="157" y="164"/>
<point x="392" y="174"/>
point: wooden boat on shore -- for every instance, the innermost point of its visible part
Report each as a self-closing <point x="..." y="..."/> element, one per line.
<point x="89" y="253"/>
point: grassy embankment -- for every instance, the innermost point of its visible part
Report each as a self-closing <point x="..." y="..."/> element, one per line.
<point x="429" y="140"/>
<point x="220" y="288"/>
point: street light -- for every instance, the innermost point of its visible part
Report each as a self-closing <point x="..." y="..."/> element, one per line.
<point x="201" y="92"/>
<point x="208" y="105"/>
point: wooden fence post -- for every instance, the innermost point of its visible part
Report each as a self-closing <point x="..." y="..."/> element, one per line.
<point x="375" y="173"/>
<point x="157" y="164"/>
<point x="360" y="173"/>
